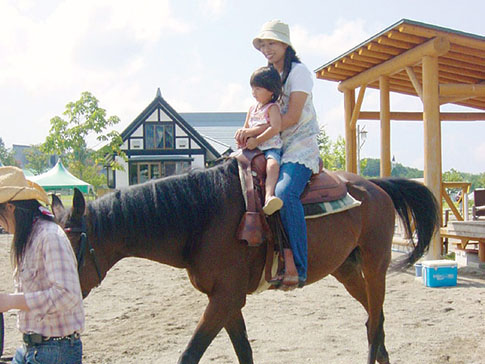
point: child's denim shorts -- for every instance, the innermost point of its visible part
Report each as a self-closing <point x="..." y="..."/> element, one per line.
<point x="274" y="153"/>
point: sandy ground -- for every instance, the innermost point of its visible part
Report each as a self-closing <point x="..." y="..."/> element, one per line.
<point x="145" y="312"/>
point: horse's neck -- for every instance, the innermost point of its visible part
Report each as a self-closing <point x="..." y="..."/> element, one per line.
<point x="166" y="251"/>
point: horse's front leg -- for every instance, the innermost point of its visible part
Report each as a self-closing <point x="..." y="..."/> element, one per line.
<point x="220" y="312"/>
<point x="236" y="328"/>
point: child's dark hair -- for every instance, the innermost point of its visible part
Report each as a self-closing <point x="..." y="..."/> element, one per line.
<point x="268" y="78"/>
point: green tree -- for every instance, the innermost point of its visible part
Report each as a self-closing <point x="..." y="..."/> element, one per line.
<point x="325" y="147"/>
<point x="372" y="168"/>
<point x="68" y="134"/>
<point x="338" y="150"/>
<point x="38" y="162"/>
<point x="453" y="176"/>
<point x="6" y="155"/>
<point x="332" y="153"/>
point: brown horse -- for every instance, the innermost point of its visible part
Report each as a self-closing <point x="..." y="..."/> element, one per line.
<point x="189" y="222"/>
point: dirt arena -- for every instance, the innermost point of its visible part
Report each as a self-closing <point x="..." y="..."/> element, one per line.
<point x="145" y="312"/>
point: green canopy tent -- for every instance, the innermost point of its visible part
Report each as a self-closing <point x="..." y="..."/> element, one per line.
<point x="59" y="178"/>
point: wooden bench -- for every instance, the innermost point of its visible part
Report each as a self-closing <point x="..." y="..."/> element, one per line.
<point x="465" y="239"/>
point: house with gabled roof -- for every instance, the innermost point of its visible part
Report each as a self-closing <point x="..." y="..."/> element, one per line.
<point x="218" y="128"/>
<point x="160" y="142"/>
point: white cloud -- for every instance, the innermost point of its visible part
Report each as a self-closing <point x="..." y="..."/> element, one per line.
<point x="332" y="119"/>
<point x="345" y="35"/>
<point x="234" y="97"/>
<point x="213" y="8"/>
<point x="146" y="19"/>
<point x="479" y="154"/>
<point x="42" y="54"/>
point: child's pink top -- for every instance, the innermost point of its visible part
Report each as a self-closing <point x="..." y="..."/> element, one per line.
<point x="260" y="117"/>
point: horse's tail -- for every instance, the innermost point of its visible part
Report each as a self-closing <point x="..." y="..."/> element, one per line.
<point x="413" y="199"/>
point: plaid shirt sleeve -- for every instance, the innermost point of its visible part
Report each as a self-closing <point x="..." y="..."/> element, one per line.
<point x="60" y="289"/>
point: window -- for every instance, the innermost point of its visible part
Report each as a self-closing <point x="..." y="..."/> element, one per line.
<point x="110" y="180"/>
<point x="145" y="171"/>
<point x="159" y="136"/>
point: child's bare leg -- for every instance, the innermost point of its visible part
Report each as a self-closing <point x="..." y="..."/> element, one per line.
<point x="272" y="203"/>
<point x="272" y="174"/>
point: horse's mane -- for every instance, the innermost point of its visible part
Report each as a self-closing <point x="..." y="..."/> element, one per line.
<point x="182" y="204"/>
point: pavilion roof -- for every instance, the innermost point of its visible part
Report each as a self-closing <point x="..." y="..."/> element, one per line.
<point x="464" y="63"/>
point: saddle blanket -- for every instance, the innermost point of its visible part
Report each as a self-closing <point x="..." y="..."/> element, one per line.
<point x="320" y="209"/>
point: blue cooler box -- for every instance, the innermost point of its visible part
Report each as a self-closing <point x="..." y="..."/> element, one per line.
<point x="439" y="273"/>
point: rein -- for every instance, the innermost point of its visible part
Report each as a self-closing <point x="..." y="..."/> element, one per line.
<point x="83" y="245"/>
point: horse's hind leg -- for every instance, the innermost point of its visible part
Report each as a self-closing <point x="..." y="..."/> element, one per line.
<point x="236" y="329"/>
<point x="350" y="275"/>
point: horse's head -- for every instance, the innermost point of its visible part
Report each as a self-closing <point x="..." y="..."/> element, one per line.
<point x="73" y="222"/>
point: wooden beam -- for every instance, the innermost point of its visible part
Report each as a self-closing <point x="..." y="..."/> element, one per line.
<point x="325" y="75"/>
<point x="349" y="67"/>
<point x="432" y="138"/>
<point x="372" y="54"/>
<point x="453" y="100"/>
<point x="350" y="137"/>
<point x="444" y="59"/>
<point x="462" y="116"/>
<point x="402" y="89"/>
<point x="452" y="77"/>
<point x="385" y="116"/>
<point x="467" y="58"/>
<point x="395" y="43"/>
<point x="460" y="78"/>
<point x="460" y="70"/>
<point x="475" y="103"/>
<point x="433" y="47"/>
<point x="358" y="105"/>
<point x="452" y="206"/>
<point x="466" y="50"/>
<point x="358" y="57"/>
<point x="457" y="89"/>
<point x="414" y="80"/>
<point x="340" y="71"/>
<point x="418" y="116"/>
<point x="394" y="34"/>
<point x="381" y="48"/>
<point x="454" y="38"/>
<point x="401" y="85"/>
<point x="356" y="62"/>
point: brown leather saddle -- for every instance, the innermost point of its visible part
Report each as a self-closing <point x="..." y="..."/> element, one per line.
<point x="323" y="187"/>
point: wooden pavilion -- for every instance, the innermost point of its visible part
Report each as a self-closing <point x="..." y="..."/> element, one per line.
<point x="436" y="64"/>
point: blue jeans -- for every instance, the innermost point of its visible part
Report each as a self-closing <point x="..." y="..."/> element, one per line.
<point x="291" y="183"/>
<point x="50" y="352"/>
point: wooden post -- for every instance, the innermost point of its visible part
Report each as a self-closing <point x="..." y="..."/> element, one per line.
<point x="350" y="137"/>
<point x="385" y="115"/>
<point x="432" y="138"/>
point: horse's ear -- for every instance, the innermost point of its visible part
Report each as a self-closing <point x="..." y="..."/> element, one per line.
<point x="57" y="206"/>
<point x="78" y="204"/>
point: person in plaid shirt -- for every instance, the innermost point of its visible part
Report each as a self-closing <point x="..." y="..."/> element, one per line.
<point x="47" y="290"/>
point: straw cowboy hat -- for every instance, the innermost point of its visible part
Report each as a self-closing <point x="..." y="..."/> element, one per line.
<point x="14" y="187"/>
<point x="275" y="30"/>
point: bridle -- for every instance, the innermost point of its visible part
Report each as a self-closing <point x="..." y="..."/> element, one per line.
<point x="83" y="245"/>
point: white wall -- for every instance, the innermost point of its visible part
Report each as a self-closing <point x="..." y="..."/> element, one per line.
<point x="122" y="176"/>
<point x="198" y="161"/>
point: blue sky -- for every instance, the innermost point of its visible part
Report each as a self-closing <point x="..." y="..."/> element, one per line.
<point x="200" y="55"/>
